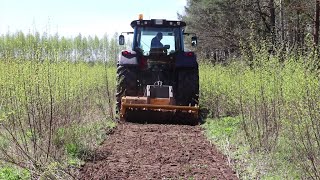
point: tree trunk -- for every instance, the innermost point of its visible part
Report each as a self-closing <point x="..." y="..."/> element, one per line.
<point x="281" y="23"/>
<point x="272" y="20"/>
<point x="298" y="39"/>
<point x="316" y="25"/>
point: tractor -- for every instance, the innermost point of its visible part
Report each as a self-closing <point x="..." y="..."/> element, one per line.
<point x="157" y="79"/>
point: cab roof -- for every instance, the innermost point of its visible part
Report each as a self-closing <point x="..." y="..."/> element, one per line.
<point x="157" y="23"/>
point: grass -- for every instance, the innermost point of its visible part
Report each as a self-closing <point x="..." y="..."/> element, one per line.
<point x="57" y="101"/>
<point x="10" y="173"/>
<point x="53" y="111"/>
<point x="78" y="140"/>
<point x="265" y="117"/>
<point x="227" y="135"/>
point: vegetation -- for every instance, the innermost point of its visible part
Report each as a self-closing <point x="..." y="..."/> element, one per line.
<point x="265" y="116"/>
<point x="56" y="102"/>
<point x="57" y="93"/>
<point x="55" y="108"/>
<point x="223" y="26"/>
<point x="260" y="83"/>
<point x="266" y="100"/>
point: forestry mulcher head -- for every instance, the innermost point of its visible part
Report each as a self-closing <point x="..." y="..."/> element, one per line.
<point x="158" y="106"/>
<point x="157" y="80"/>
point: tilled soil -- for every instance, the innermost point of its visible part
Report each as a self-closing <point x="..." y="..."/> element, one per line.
<point x="157" y="151"/>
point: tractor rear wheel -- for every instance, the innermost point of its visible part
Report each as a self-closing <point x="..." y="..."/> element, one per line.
<point x="188" y="87"/>
<point x="126" y="84"/>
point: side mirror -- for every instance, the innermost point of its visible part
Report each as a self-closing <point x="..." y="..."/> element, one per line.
<point x="194" y="40"/>
<point x="166" y="46"/>
<point x="121" y="40"/>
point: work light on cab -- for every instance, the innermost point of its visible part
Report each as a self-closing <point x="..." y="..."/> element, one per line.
<point x="140" y="16"/>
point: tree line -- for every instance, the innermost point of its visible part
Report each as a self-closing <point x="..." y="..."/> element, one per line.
<point x="34" y="46"/>
<point x="228" y="27"/>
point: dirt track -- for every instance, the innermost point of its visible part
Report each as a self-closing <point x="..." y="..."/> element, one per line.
<point x="153" y="151"/>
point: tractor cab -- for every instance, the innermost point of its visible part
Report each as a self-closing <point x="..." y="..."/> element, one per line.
<point x="170" y="34"/>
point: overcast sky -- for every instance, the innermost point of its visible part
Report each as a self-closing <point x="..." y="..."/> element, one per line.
<point x="88" y="17"/>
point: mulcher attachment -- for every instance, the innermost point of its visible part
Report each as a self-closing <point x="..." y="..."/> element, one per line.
<point x="157" y="106"/>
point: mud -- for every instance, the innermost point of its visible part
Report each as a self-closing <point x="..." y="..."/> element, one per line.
<point x="157" y="151"/>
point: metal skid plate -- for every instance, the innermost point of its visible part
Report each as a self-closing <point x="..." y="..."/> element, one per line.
<point x="159" y="99"/>
<point x="155" y="104"/>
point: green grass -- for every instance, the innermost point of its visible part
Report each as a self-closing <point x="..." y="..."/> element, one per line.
<point x="67" y="80"/>
<point x="265" y="117"/>
<point x="80" y="142"/>
<point x="78" y="138"/>
<point x="10" y="173"/>
<point x="50" y="111"/>
<point x="227" y="135"/>
<point x="56" y="100"/>
<point x="55" y="107"/>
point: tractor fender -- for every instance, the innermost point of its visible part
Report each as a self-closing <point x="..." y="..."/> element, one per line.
<point x="185" y="60"/>
<point x="128" y="57"/>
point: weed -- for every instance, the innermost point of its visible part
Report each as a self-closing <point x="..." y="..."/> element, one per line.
<point x="9" y="173"/>
<point x="56" y="101"/>
<point x="272" y="115"/>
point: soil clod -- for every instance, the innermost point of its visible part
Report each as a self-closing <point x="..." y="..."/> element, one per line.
<point x="157" y="151"/>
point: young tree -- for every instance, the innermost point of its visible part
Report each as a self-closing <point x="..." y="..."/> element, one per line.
<point x="316" y="24"/>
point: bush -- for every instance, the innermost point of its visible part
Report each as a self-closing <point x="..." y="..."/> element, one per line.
<point x="38" y="100"/>
<point x="9" y="173"/>
<point x="278" y="105"/>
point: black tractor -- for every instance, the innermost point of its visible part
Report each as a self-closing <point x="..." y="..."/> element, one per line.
<point x="157" y="78"/>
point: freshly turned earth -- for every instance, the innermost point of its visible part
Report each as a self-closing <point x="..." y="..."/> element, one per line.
<point x="157" y="151"/>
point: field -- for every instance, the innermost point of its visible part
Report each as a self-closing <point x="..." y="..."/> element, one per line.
<point x="49" y="110"/>
<point x="157" y="151"/>
<point x="265" y="117"/>
<point x="57" y="103"/>
<point x="54" y="108"/>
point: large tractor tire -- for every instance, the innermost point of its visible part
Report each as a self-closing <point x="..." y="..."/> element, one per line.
<point x="188" y="87"/>
<point x="126" y="84"/>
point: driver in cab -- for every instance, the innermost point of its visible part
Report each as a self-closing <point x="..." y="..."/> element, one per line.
<point x="155" y="43"/>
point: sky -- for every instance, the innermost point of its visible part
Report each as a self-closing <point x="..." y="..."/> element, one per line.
<point x="88" y="17"/>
